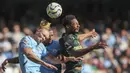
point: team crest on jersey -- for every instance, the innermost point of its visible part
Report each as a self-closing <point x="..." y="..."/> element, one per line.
<point x="25" y="42"/>
<point x="54" y="50"/>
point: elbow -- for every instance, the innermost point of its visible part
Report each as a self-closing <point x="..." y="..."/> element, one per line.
<point x="29" y="56"/>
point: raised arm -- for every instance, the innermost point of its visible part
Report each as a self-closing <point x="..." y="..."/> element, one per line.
<point x="92" y="33"/>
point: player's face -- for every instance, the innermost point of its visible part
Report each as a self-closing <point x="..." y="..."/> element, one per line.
<point x="42" y="35"/>
<point x="75" y="25"/>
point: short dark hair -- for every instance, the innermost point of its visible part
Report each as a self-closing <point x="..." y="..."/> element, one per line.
<point x="67" y="20"/>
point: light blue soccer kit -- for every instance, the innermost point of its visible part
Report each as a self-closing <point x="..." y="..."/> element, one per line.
<point x="27" y="66"/>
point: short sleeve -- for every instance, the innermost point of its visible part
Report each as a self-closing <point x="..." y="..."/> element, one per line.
<point x="68" y="42"/>
<point x="25" y="43"/>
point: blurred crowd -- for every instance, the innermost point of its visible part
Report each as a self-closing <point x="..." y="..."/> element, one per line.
<point x="116" y="57"/>
<point x="113" y="59"/>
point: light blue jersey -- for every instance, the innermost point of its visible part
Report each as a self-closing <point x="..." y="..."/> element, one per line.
<point x="54" y="49"/>
<point x="27" y="66"/>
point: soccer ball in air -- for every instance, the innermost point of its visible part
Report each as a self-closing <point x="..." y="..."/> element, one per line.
<point x="54" y="10"/>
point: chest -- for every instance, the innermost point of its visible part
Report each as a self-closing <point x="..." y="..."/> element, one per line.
<point x="76" y="43"/>
<point x="53" y="49"/>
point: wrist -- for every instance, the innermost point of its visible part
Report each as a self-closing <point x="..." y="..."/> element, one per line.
<point x="87" y="35"/>
<point x="43" y="63"/>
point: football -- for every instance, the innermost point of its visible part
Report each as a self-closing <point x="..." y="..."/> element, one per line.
<point x="54" y="10"/>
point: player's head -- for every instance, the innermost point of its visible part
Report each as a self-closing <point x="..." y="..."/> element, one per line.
<point x="42" y="34"/>
<point x="70" y="23"/>
<point x="45" y="24"/>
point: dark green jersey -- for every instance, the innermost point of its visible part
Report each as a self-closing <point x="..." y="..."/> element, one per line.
<point x="70" y="42"/>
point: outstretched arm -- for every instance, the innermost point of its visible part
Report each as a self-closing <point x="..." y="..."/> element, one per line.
<point x="92" y="33"/>
<point x="81" y="52"/>
<point x="66" y="59"/>
<point x="61" y="59"/>
<point x="68" y="44"/>
<point x="12" y="60"/>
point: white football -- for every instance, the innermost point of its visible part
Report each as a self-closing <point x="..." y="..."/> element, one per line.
<point x="54" y="10"/>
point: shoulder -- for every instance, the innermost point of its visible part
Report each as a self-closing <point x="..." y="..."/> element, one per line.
<point x="68" y="37"/>
<point x="26" y="39"/>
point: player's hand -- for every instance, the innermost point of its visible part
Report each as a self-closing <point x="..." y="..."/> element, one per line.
<point x="51" y="66"/>
<point x="100" y="45"/>
<point x="4" y="64"/>
<point x="92" y="33"/>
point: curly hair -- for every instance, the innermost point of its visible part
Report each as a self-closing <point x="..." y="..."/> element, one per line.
<point x="67" y="20"/>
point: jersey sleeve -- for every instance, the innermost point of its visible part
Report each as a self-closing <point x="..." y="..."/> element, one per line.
<point x="25" y="43"/>
<point x="68" y="42"/>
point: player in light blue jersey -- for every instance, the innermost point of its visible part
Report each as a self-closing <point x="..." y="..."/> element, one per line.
<point x="31" y="50"/>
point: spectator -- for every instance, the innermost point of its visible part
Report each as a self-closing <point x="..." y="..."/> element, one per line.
<point x="17" y="34"/>
<point x="109" y="38"/>
<point x="123" y="45"/>
<point x="6" y="32"/>
<point x="27" y="31"/>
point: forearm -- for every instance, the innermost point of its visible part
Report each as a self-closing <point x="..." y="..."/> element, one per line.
<point x="81" y="37"/>
<point x="53" y="59"/>
<point x="64" y="58"/>
<point x="78" y="53"/>
<point x="69" y="59"/>
<point x="35" y="59"/>
<point x="13" y="60"/>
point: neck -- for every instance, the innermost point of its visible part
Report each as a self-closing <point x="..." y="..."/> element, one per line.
<point x="68" y="31"/>
<point x="34" y="37"/>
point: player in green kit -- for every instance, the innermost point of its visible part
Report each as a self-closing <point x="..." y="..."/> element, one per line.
<point x="71" y="44"/>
